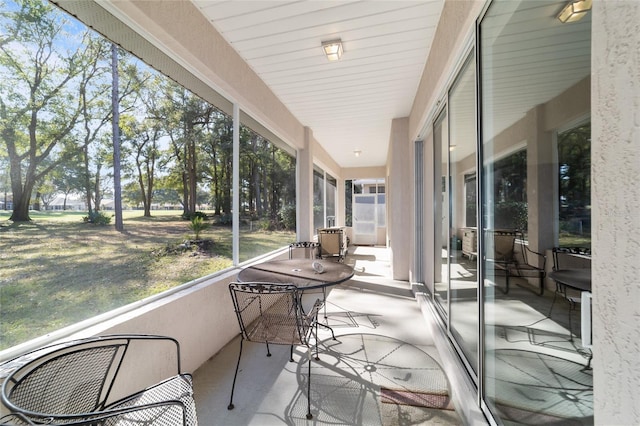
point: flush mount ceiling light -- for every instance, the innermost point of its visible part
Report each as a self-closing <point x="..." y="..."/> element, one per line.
<point x="332" y="49"/>
<point x="357" y="153"/>
<point x="574" y="11"/>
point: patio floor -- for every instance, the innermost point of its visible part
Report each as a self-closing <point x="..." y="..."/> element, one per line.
<point x="382" y="343"/>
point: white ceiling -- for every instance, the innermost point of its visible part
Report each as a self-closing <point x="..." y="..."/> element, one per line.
<point x="348" y="104"/>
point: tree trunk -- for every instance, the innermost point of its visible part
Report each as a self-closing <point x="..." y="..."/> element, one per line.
<point x="117" y="190"/>
<point x="21" y="201"/>
<point x="185" y="195"/>
<point x="96" y="188"/>
<point x="193" y="176"/>
<point x="21" y="193"/>
<point x="151" y="167"/>
<point x="87" y="179"/>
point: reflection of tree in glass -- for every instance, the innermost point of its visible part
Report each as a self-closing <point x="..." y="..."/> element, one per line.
<point x="574" y="168"/>
<point x="510" y="192"/>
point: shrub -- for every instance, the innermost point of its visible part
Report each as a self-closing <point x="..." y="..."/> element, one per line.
<point x="192" y="215"/>
<point x="97" y="218"/>
<point x="511" y="214"/>
<point x="198" y="225"/>
<point x="288" y="215"/>
<point x="224" y="219"/>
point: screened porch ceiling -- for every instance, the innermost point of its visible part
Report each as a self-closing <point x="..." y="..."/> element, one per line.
<point x="350" y="104"/>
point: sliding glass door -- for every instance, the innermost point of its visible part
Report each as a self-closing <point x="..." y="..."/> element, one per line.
<point x="511" y="156"/>
<point x="441" y="205"/>
<point x="535" y="102"/>
<point x="463" y="271"/>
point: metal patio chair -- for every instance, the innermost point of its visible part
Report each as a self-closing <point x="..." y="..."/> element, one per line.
<point x="15" y="419"/>
<point x="72" y="383"/>
<point x="311" y="250"/>
<point x="333" y="243"/>
<point x="272" y="314"/>
<point x="304" y="250"/>
<point x="559" y="255"/>
<point x="529" y="263"/>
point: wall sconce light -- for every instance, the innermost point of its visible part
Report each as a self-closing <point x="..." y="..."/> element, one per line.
<point x="332" y="49"/>
<point x="574" y="11"/>
<point x="357" y="152"/>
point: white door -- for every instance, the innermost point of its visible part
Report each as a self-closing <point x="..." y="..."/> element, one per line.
<point x="364" y="219"/>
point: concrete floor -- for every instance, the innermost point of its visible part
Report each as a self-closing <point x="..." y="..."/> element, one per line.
<point x="535" y="372"/>
<point x="381" y="343"/>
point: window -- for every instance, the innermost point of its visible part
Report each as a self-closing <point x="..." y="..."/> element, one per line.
<point x="348" y="206"/>
<point x="318" y="198"/>
<point x="324" y="199"/>
<point x="69" y="263"/>
<point x="574" y="177"/>
<point x="331" y="192"/>
<point x="510" y="191"/>
<point x="267" y="195"/>
<point x="470" y="194"/>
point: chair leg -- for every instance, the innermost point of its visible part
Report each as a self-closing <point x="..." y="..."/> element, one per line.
<point x="316" y="338"/>
<point x="233" y="386"/>
<point x="570" y="326"/>
<point x="268" y="352"/>
<point x="324" y="301"/>
<point x="291" y="354"/>
<point x="309" y="415"/>
<point x="553" y="302"/>
<point x="328" y="328"/>
<point x="541" y="285"/>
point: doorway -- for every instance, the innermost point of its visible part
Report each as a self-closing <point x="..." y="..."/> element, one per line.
<point x="368" y="211"/>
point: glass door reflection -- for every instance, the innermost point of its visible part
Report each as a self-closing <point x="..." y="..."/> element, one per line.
<point x="463" y="272"/>
<point x="441" y="191"/>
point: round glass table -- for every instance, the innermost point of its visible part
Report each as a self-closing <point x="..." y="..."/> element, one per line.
<point x="299" y="272"/>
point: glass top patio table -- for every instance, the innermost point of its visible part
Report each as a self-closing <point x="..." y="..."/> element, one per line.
<point x="298" y="272"/>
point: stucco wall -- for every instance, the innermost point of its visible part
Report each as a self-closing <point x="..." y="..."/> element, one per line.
<point x="615" y="168"/>
<point x="399" y="199"/>
<point x="454" y="29"/>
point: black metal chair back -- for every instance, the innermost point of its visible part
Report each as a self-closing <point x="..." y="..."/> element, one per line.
<point x="332" y="243"/>
<point x="560" y="252"/>
<point x="72" y="382"/>
<point x="501" y="245"/>
<point x="15" y="419"/>
<point x="272" y="313"/>
<point x="304" y="250"/>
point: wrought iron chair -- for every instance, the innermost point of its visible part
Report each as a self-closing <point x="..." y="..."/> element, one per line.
<point x="272" y="314"/>
<point x="500" y="251"/>
<point x="311" y="250"/>
<point x="72" y="383"/>
<point x="333" y="243"/>
<point x="559" y="254"/>
<point x="15" y="419"/>
<point x="304" y="250"/>
<point x="529" y="263"/>
<point x="525" y="264"/>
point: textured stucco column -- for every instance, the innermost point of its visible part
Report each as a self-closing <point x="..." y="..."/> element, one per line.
<point x="540" y="183"/>
<point x="615" y="169"/>
<point x="399" y="199"/>
<point x="340" y="203"/>
<point x="304" y="188"/>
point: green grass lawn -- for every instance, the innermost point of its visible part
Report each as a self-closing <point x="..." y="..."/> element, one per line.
<point x="58" y="270"/>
